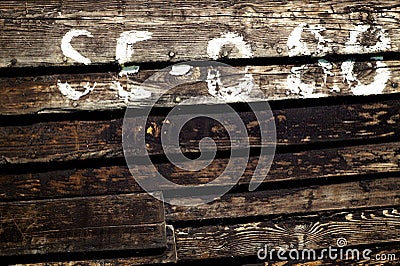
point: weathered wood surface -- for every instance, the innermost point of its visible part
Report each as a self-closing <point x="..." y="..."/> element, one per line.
<point x="343" y="196"/>
<point x="32" y="32"/>
<point x="119" y="222"/>
<point x="359" y="200"/>
<point x="368" y="227"/>
<point x="72" y="140"/>
<point x="42" y="94"/>
<point x="322" y="164"/>
<point x="168" y="256"/>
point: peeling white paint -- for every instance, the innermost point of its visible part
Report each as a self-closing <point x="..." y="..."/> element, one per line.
<point x="129" y="70"/>
<point x="69" y="51"/>
<point x="295" y="85"/>
<point x="215" y="45"/>
<point x="71" y="93"/>
<point x="326" y="67"/>
<point x="349" y="217"/>
<point x="124" y="49"/>
<point x="180" y="70"/>
<point x="297" y="47"/>
<point x="217" y="89"/>
<point x="358" y="88"/>
<point x="354" y="46"/>
<point x="135" y="93"/>
<point x="294" y="43"/>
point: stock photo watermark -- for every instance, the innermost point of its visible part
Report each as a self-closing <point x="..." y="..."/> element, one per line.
<point x="338" y="252"/>
<point x="224" y="84"/>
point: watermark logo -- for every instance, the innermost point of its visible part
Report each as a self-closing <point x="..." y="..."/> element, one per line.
<point x="224" y="84"/>
<point x="340" y="252"/>
<point x="341" y="242"/>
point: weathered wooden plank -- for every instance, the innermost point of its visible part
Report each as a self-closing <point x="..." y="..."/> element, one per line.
<point x="286" y="167"/>
<point x="351" y="195"/>
<point x="134" y="221"/>
<point x="106" y="238"/>
<point x="44" y="94"/>
<point x="78" y="9"/>
<point x="182" y="30"/>
<point x="168" y="256"/>
<point x="317" y="231"/>
<point x="69" y="140"/>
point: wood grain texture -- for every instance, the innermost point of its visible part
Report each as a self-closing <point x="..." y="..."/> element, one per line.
<point x="41" y="94"/>
<point x="314" y="231"/>
<point x="55" y="199"/>
<point x="134" y="221"/>
<point x="72" y="140"/>
<point x="343" y="196"/>
<point x="168" y="256"/>
<point x="181" y="29"/>
<point x="286" y="167"/>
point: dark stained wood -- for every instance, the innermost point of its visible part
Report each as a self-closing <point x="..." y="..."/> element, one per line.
<point x="168" y="256"/>
<point x="368" y="227"/>
<point x="134" y="221"/>
<point x="343" y="196"/>
<point x="32" y="33"/>
<point x="41" y="94"/>
<point x="286" y="167"/>
<point x="72" y="140"/>
<point x="104" y="238"/>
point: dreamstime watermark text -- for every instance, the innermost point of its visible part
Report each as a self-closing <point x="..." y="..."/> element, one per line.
<point x="339" y="252"/>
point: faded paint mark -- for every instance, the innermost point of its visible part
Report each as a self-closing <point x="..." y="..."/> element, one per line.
<point x="71" y="93"/>
<point x="135" y="94"/>
<point x="124" y="49"/>
<point x="215" y="45"/>
<point x="297" y="47"/>
<point x="69" y="51"/>
<point x="217" y="89"/>
<point x="297" y="86"/>
<point x="363" y="34"/>
<point x="180" y="70"/>
<point x="358" y="88"/>
<point x="129" y="70"/>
